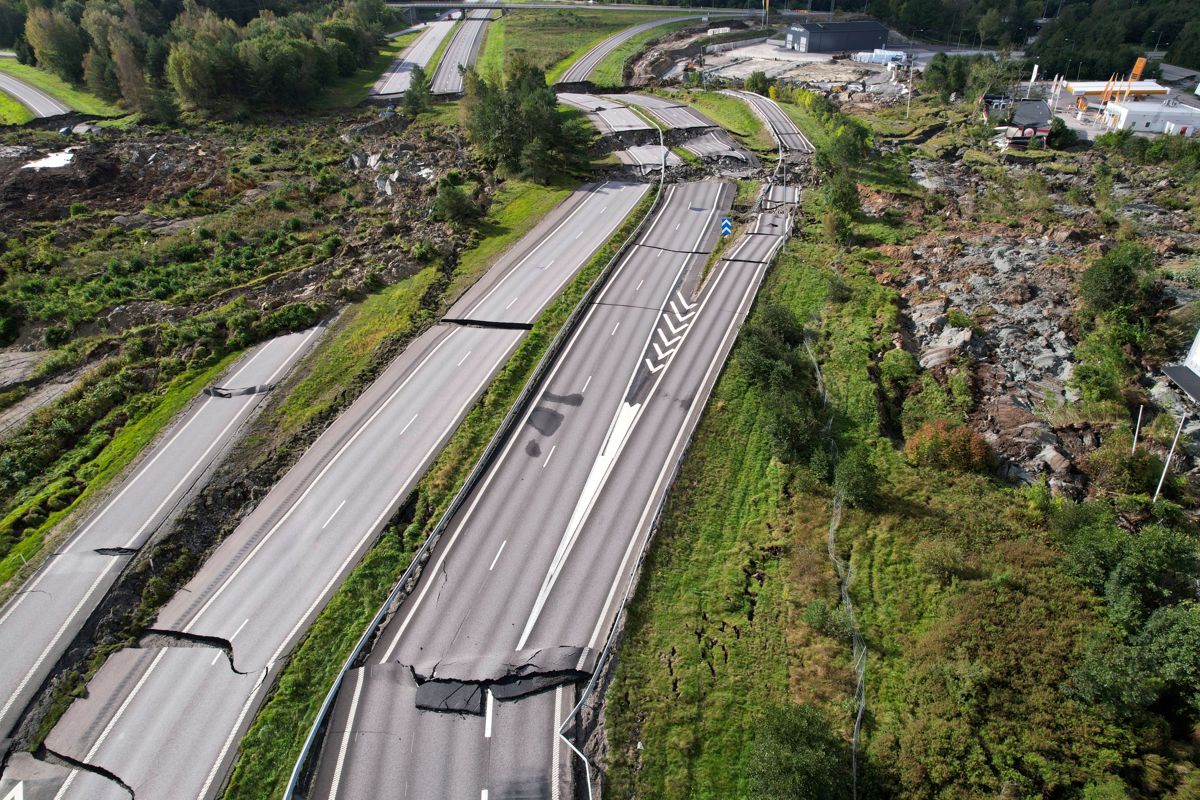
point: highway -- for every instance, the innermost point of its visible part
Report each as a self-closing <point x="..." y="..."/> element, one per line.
<point x="580" y="4"/>
<point x="461" y="52"/>
<point x="166" y="719"/>
<point x="673" y="115"/>
<point x="398" y="77"/>
<point x="783" y="129"/>
<point x="41" y="620"/>
<point x="607" y="115"/>
<point x="467" y="684"/>
<point x="33" y="98"/>
<point x="649" y="157"/>
<point x="717" y="145"/>
<point x="582" y="69"/>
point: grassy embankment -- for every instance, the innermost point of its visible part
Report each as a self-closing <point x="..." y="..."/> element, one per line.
<point x="552" y="38"/>
<point x="734" y="116"/>
<point x="273" y="742"/>
<point x="611" y="69"/>
<point x="59" y="89"/>
<point x="12" y="112"/>
<point x="954" y="574"/>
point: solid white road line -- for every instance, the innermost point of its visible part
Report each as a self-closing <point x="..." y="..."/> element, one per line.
<point x="743" y="309"/>
<point x="554" y="764"/>
<point x="58" y="634"/>
<point x="424" y="590"/>
<point x="334" y="514"/>
<point x="497" y="558"/>
<point x="341" y="759"/>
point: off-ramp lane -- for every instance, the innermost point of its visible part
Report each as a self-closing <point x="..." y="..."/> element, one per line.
<point x="582" y="69"/>
<point x="33" y="98"/>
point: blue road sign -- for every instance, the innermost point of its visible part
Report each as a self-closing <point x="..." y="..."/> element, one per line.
<point x="726" y="226"/>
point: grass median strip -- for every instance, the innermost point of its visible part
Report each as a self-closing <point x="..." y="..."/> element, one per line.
<point x="274" y="741"/>
<point x="353" y="89"/>
<point x="734" y="116"/>
<point x="611" y="69"/>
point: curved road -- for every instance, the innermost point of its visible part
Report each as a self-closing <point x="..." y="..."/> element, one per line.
<point x="582" y="69"/>
<point x="783" y="129"/>
<point x="398" y="77"/>
<point x="37" y="101"/>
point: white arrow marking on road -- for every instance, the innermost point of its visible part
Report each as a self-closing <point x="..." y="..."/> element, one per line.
<point x="668" y="342"/>
<point x="654" y="368"/>
<point x="661" y="354"/>
<point x="687" y="306"/>
<point x="17" y="793"/>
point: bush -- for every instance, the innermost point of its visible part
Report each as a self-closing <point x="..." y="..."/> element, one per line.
<point x="1114" y="469"/>
<point x="795" y="754"/>
<point x="1114" y="282"/>
<point x="939" y="445"/>
<point x="1061" y="136"/>
<point x="857" y="479"/>
<point x="452" y="205"/>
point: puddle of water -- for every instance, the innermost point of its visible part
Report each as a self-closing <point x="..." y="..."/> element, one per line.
<point x="54" y="160"/>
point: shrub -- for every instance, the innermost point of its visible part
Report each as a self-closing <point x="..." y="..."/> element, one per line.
<point x="1114" y="282"/>
<point x="857" y="479"/>
<point x="796" y="754"/>
<point x="940" y="445"/>
<point x="1114" y="469"/>
<point x="452" y="205"/>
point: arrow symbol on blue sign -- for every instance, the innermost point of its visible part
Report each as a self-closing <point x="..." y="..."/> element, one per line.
<point x="726" y="226"/>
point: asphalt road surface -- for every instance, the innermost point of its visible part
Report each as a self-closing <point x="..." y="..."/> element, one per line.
<point x="37" y="101"/>
<point x="671" y="114"/>
<point x="461" y="52"/>
<point x="521" y="6"/>
<point x="166" y="719"/>
<point x="398" y="77"/>
<point x="39" y="622"/>
<point x="582" y="69"/>
<point x="520" y="597"/>
<point x="782" y="128"/>
<point x="717" y="145"/>
<point x="649" y="157"/>
<point x="607" y="115"/>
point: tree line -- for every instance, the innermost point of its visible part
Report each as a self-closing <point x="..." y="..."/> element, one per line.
<point x="153" y="57"/>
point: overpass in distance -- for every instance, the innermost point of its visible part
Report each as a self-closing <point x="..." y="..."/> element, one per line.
<point x="500" y="5"/>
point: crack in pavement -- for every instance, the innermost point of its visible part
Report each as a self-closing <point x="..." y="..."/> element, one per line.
<point x="74" y="763"/>
<point x="156" y="639"/>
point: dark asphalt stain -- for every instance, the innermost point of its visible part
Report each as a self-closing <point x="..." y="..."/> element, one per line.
<point x="533" y="448"/>
<point x="566" y="399"/>
<point x="545" y="420"/>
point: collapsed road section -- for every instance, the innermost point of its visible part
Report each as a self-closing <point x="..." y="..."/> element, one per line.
<point x="469" y="682"/>
<point x="164" y="718"/>
<point x="42" y="618"/>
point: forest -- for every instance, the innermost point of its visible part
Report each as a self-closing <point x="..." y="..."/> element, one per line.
<point x="158" y="56"/>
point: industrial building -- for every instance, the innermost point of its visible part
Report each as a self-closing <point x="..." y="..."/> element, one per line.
<point x="1150" y="116"/>
<point x="836" y="37"/>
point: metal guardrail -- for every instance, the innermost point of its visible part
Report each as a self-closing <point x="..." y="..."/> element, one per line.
<point x="421" y="556"/>
<point x="610" y="643"/>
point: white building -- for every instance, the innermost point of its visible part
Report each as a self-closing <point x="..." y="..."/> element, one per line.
<point x="1149" y="116"/>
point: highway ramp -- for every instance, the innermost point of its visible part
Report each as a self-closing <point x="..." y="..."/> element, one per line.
<point x="460" y="53"/>
<point x="33" y="98"/>
<point x="39" y="622"/>
<point x="398" y="77"/>
<point x="582" y="69"/>
<point x="783" y="129"/>
<point x="518" y="600"/>
<point x="166" y="716"/>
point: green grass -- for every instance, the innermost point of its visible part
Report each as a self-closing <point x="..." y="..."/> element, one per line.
<point x="129" y="442"/>
<point x="516" y="208"/>
<point x="551" y="38"/>
<point x="12" y="112"/>
<point x="808" y="122"/>
<point x="274" y="740"/>
<point x="734" y="116"/>
<point x="59" y="89"/>
<point x="353" y="89"/>
<point x="611" y="70"/>
<point x="349" y="348"/>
